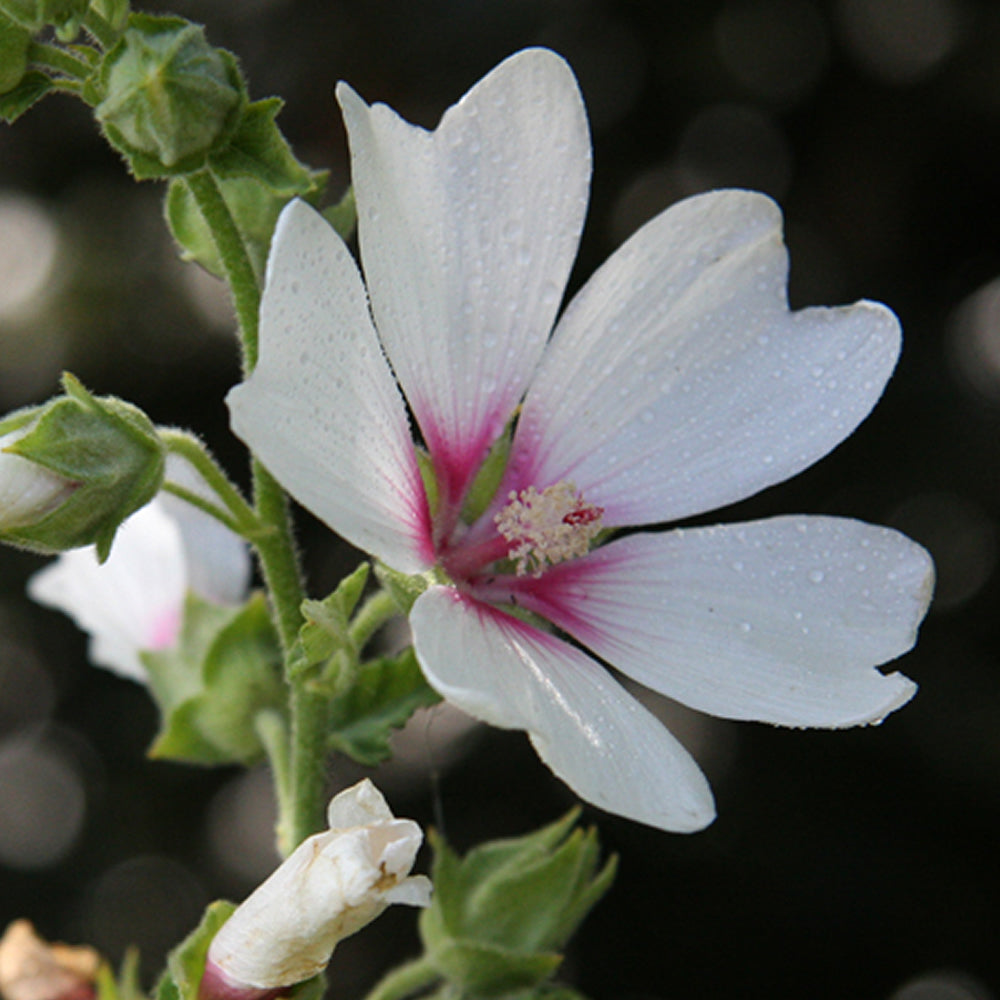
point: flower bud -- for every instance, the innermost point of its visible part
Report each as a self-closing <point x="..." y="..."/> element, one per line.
<point x="37" y="14"/>
<point x="169" y="98"/>
<point x="330" y="886"/>
<point x="33" y="969"/>
<point x="72" y="470"/>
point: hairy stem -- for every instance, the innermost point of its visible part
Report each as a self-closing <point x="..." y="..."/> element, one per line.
<point x="235" y="259"/>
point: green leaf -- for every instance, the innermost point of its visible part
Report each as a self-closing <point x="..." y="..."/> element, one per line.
<point x="186" y="963"/>
<point x="212" y="686"/>
<point x="384" y="694"/>
<point x="32" y="88"/>
<point x="487" y="971"/>
<point x="500" y="916"/>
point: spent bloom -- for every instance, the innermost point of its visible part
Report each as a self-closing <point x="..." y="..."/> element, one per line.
<point x="675" y="382"/>
<point x="134" y="601"/>
<point x="328" y="888"/>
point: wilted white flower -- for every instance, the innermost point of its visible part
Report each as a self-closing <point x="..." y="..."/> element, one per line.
<point x="330" y="886"/>
<point x="675" y="382"/>
<point x="134" y="601"/>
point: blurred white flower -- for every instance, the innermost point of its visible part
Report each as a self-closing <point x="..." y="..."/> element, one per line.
<point x="330" y="886"/>
<point x="134" y="601"/>
<point x="675" y="382"/>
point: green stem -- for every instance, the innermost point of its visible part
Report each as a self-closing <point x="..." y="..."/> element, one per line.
<point x="270" y="727"/>
<point x="100" y="29"/>
<point x="235" y="259"/>
<point x="241" y="517"/>
<point x="408" y="979"/>
<point x="54" y="58"/>
<point x="371" y="616"/>
<point x="279" y="563"/>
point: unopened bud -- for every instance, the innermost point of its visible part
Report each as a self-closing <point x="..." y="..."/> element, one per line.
<point x="72" y="470"/>
<point x="330" y="886"/>
<point x="168" y="97"/>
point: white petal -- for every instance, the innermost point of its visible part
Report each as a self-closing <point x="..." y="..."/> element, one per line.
<point x="321" y="410"/>
<point x="593" y="735"/>
<point x="467" y="237"/>
<point x="330" y="886"/>
<point x="358" y="805"/>
<point x="218" y="561"/>
<point x="781" y="621"/>
<point x="678" y="381"/>
<point x="133" y="601"/>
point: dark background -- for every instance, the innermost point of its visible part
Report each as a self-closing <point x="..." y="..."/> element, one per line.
<point x="842" y="865"/>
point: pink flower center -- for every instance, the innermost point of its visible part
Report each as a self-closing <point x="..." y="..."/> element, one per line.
<point x="548" y="527"/>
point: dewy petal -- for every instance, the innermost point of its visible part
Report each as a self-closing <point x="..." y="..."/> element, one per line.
<point x="133" y="601"/>
<point x="593" y="735"/>
<point x="218" y="560"/>
<point x="678" y="381"/>
<point x="781" y="621"/>
<point x="321" y="410"/>
<point x="467" y="237"/>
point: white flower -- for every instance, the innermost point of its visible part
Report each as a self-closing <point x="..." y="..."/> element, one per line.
<point x="330" y="886"/>
<point x="675" y="382"/>
<point x="134" y="601"/>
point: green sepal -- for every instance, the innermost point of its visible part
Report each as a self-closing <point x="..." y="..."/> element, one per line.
<point x="487" y="479"/>
<point x="429" y="479"/>
<point x="384" y="693"/>
<point x="32" y="87"/>
<point x="106" y="450"/>
<point x="214" y="683"/>
<point x="165" y="98"/>
<point x="403" y="588"/>
<point x="258" y="149"/>
<point x="115" y="12"/>
<point x="326" y="630"/>
<point x="505" y="911"/>
<point x="127" y="985"/>
<point x="15" y="40"/>
<point x="186" y="963"/>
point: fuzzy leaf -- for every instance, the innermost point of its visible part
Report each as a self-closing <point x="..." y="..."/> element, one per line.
<point x="212" y="686"/>
<point x="384" y="694"/>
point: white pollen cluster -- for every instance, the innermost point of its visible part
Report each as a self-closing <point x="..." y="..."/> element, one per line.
<point x="548" y="527"/>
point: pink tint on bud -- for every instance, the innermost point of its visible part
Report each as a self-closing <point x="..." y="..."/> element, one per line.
<point x="216" y="985"/>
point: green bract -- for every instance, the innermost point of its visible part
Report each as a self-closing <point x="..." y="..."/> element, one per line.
<point x="14" y="42"/>
<point x="37" y="14"/>
<point x="73" y="469"/>
<point x="167" y="98"/>
<point x="257" y="174"/>
<point x="500" y="915"/>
